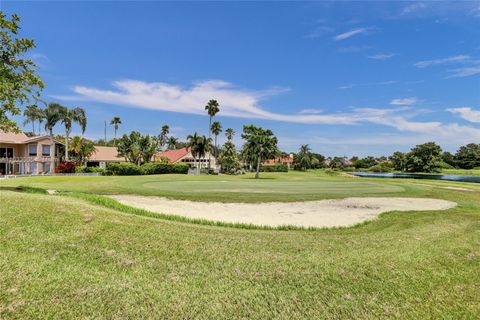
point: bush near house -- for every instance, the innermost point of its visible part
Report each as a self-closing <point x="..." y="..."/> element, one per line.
<point x="131" y="169"/>
<point x="163" y="168"/>
<point x="276" y="168"/>
<point x="85" y="169"/>
<point x="123" y="169"/>
<point x="66" y="167"/>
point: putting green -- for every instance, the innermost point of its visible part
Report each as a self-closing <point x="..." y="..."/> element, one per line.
<point x="272" y="186"/>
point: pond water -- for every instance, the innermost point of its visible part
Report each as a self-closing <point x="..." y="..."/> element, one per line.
<point x="447" y="177"/>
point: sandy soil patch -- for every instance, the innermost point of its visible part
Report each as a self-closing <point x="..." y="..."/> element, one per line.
<point x="323" y="213"/>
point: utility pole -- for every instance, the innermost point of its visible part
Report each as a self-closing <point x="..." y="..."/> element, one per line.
<point x="105" y="132"/>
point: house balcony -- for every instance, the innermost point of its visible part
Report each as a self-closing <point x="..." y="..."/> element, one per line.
<point x="28" y="159"/>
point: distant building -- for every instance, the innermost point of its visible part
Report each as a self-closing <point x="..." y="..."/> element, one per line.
<point x="184" y="155"/>
<point x="281" y="160"/>
<point x="23" y="155"/>
<point x="102" y="156"/>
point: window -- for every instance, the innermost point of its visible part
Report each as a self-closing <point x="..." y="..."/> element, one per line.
<point x="6" y="152"/>
<point x="46" y="167"/>
<point x="32" y="149"/>
<point x="45" y="149"/>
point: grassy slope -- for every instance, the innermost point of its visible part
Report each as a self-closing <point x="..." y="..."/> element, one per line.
<point x="62" y="257"/>
<point x="66" y="258"/>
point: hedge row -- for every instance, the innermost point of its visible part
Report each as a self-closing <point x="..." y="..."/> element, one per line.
<point x="276" y="168"/>
<point x="131" y="169"/>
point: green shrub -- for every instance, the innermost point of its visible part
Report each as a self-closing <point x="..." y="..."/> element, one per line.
<point x="276" y="168"/>
<point x="444" y="165"/>
<point x="85" y="169"/>
<point x="349" y="169"/>
<point x="381" y="167"/>
<point x="180" y="168"/>
<point x="330" y="171"/>
<point x="157" y="168"/>
<point x="129" y="169"/>
<point x="123" y="169"/>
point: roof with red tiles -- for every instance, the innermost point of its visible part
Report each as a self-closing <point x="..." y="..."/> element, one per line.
<point x="173" y="155"/>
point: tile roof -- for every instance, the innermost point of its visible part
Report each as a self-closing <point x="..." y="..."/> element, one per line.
<point x="173" y="155"/>
<point x="106" y="154"/>
<point x="11" y="137"/>
<point x="21" y="138"/>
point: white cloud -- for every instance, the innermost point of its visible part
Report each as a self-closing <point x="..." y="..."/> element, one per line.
<point x="404" y="101"/>
<point x="467" y="113"/>
<point x="242" y="103"/>
<point x="234" y="102"/>
<point x="414" y="7"/>
<point x="382" y="56"/>
<point x="453" y="59"/>
<point x="464" y="72"/>
<point x="350" y="34"/>
<point x="311" y="111"/>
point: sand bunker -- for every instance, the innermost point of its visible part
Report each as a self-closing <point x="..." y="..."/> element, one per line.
<point x="323" y="213"/>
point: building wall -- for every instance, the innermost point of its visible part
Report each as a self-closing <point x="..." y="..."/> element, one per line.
<point x="203" y="163"/>
<point x="32" y="164"/>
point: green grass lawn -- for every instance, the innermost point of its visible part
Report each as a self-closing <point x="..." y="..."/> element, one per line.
<point x="62" y="257"/>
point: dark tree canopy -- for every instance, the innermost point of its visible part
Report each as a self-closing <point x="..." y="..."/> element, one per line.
<point x="424" y="158"/>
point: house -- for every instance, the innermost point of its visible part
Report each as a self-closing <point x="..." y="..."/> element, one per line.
<point x="184" y="155"/>
<point x="281" y="160"/>
<point x="21" y="155"/>
<point x="102" y="156"/>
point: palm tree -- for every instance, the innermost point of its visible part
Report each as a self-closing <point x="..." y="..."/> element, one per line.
<point x="52" y="117"/>
<point x="81" y="148"/>
<point x="216" y="129"/>
<point x="115" y="122"/>
<point x="192" y="143"/>
<point x="212" y="108"/>
<point x="31" y="115"/>
<point x="304" y="157"/>
<point x="68" y="117"/>
<point x="172" y="143"/>
<point x="199" y="146"/>
<point x="162" y="139"/>
<point x="40" y="118"/>
<point x="260" y="144"/>
<point x="229" y="133"/>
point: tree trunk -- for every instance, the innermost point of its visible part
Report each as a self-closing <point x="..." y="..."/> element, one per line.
<point x="257" y="174"/>
<point x="209" y="136"/>
<point x="67" y="134"/>
<point x="52" y="153"/>
<point x="115" y="140"/>
<point x="33" y="127"/>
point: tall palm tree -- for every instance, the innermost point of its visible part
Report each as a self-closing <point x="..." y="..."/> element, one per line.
<point x="52" y="117"/>
<point x="199" y="146"/>
<point x="162" y="139"/>
<point x="115" y="122"/>
<point x="40" y="118"/>
<point x="172" y="143"/>
<point x="304" y="157"/>
<point x="212" y="108"/>
<point x="260" y="144"/>
<point x="68" y="117"/>
<point x="216" y="129"/>
<point x="229" y="133"/>
<point x="192" y="143"/>
<point x="31" y="115"/>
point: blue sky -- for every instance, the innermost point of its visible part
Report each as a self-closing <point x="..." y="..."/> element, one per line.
<point x="346" y="77"/>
